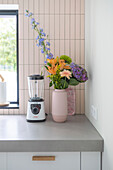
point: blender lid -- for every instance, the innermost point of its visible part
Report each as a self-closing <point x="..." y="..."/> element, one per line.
<point x="36" y="77"/>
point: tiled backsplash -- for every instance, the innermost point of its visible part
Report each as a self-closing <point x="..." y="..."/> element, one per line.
<point x="63" y="21"/>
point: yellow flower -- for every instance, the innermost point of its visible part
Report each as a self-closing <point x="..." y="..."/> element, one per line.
<point x="63" y="64"/>
<point x="52" y="69"/>
<point x="66" y="73"/>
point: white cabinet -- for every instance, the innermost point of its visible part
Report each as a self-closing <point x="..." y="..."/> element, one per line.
<point x="90" y="161"/>
<point x="63" y="161"/>
<point x="2" y="161"/>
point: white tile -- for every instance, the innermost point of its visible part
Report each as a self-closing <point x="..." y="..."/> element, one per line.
<point x="4" y="2"/>
<point x="6" y="111"/>
<point x="21" y="102"/>
<point x="21" y="29"/>
<point x="1" y="111"/>
<point x="46" y="80"/>
<point x="67" y="23"/>
<point x="15" y="111"/>
<point x="10" y="2"/>
<point x="77" y="102"/>
<point x="36" y="54"/>
<point x="10" y="111"/>
<point x="37" y="69"/>
<point x="15" y="1"/>
<point x="26" y="54"/>
<point x="47" y="25"/>
<point x="82" y="102"/>
<point x="57" y="6"/>
<point x="72" y="52"/>
<point x="31" y="69"/>
<point x="62" y="18"/>
<point x="30" y="30"/>
<point x="57" y="30"/>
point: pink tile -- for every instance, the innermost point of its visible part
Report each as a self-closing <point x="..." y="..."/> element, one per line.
<point x="67" y="23"/>
<point x="73" y="6"/>
<point x="82" y="102"/>
<point x="26" y="22"/>
<point x="31" y="52"/>
<point x="72" y="27"/>
<point x="4" y="2"/>
<point x="82" y="51"/>
<point x="52" y="47"/>
<point x="62" y="6"/>
<point x="47" y="24"/>
<point x="72" y="50"/>
<point x="50" y="105"/>
<point x="47" y="7"/>
<point x="77" y="102"/>
<point x="52" y="7"/>
<point x="21" y="6"/>
<point x="21" y="27"/>
<point x="6" y="111"/>
<point x="10" y="2"/>
<point x="26" y="73"/>
<point x="62" y="47"/>
<point x="62" y="26"/>
<point x="37" y="69"/>
<point x="26" y="53"/>
<point x="42" y="6"/>
<point x="36" y="54"/>
<point x="57" y="48"/>
<point x="77" y="45"/>
<point x="21" y="58"/>
<point x="25" y="5"/>
<point x="1" y="111"/>
<point x="78" y="27"/>
<point x="57" y="6"/>
<point x="46" y="80"/>
<point x="57" y="33"/>
<point x="67" y="6"/>
<point x="52" y="28"/>
<point x="10" y="111"/>
<point x="15" y="111"/>
<point x="30" y="30"/>
<point x="31" y="5"/>
<point x="67" y="47"/>
<point x="21" y="74"/>
<point x="21" y="101"/>
<point x="36" y="6"/>
<point x="15" y="1"/>
<point x="47" y="101"/>
<point x="78" y="6"/>
<point x="31" y="69"/>
<point x="82" y="6"/>
<point x="82" y="26"/>
<point x="37" y="18"/>
<point x="26" y="101"/>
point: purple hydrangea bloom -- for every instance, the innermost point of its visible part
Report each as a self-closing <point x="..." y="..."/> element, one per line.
<point x="78" y="72"/>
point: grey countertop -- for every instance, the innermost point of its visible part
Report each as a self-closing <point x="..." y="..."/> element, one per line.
<point x="77" y="134"/>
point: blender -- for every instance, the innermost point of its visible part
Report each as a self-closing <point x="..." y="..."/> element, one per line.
<point x="36" y="110"/>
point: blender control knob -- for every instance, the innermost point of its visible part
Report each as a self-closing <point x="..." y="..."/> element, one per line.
<point x="35" y="110"/>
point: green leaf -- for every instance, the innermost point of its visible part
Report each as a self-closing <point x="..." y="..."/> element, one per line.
<point x="64" y="84"/>
<point x="49" y="64"/>
<point x="66" y="58"/>
<point x="46" y="67"/>
<point x="50" y="84"/>
<point x="73" y="82"/>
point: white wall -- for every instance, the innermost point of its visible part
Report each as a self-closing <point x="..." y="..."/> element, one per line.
<point x="99" y="63"/>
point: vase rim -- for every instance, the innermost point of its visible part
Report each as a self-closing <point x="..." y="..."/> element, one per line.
<point x="60" y="89"/>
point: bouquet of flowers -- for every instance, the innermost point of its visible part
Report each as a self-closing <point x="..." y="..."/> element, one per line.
<point x="62" y="71"/>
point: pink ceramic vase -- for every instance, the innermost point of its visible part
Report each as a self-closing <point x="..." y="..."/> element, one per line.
<point x="59" y="105"/>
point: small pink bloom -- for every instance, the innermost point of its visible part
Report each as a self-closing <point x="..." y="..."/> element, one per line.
<point x="66" y="73"/>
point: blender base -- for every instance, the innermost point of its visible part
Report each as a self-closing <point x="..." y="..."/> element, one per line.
<point x="36" y="120"/>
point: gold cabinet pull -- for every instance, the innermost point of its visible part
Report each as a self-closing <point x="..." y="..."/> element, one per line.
<point x="43" y="158"/>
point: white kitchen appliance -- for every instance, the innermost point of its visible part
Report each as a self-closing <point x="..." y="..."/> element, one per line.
<point x="36" y="110"/>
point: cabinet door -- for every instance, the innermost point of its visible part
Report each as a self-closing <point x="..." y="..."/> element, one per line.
<point x="63" y="161"/>
<point x="2" y="161"/>
<point x="90" y="160"/>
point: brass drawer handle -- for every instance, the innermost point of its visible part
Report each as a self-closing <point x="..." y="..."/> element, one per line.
<point x="43" y="158"/>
